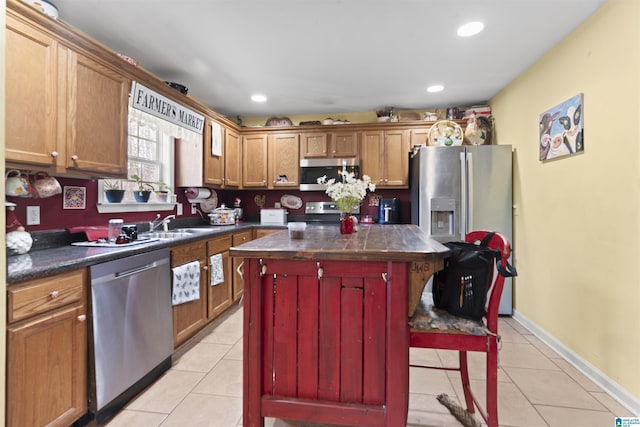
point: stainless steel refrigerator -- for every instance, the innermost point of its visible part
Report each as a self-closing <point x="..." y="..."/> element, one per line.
<point x="455" y="190"/>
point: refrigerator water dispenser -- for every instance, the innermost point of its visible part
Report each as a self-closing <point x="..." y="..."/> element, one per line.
<point x="442" y="217"/>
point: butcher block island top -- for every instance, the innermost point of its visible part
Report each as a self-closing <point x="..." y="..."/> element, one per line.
<point x="325" y="332"/>
<point x="399" y="242"/>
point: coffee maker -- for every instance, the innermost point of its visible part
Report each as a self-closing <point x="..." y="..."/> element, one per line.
<point x="389" y="211"/>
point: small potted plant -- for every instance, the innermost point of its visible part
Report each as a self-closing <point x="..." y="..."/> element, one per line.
<point x="113" y="190"/>
<point x="144" y="190"/>
<point x="163" y="191"/>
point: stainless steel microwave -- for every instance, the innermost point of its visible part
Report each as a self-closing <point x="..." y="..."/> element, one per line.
<point x="312" y="169"/>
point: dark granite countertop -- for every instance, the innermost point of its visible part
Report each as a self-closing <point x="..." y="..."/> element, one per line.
<point x="400" y="242"/>
<point x="56" y="259"/>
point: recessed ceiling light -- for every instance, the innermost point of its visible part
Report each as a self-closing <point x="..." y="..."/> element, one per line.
<point x="258" y="98"/>
<point x="435" y="88"/>
<point x="470" y="29"/>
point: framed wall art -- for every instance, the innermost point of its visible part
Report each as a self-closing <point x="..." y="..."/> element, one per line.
<point x="74" y="197"/>
<point x="562" y="129"/>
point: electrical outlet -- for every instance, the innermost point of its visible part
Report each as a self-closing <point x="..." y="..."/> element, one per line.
<point x="194" y="208"/>
<point x="33" y="215"/>
<point x="179" y="209"/>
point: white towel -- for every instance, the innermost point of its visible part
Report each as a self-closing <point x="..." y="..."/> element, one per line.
<point x="217" y="269"/>
<point x="216" y="139"/>
<point x="186" y="282"/>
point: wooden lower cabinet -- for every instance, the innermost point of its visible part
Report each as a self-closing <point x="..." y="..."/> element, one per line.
<point x="47" y="351"/>
<point x="219" y="296"/>
<point x="238" y="280"/>
<point x="190" y="317"/>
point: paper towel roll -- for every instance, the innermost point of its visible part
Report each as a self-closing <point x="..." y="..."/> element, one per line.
<point x="195" y="194"/>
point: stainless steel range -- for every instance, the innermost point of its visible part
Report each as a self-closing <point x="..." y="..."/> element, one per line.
<point x="324" y="212"/>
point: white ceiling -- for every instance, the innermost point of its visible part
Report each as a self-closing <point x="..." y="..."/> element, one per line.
<point x="315" y="57"/>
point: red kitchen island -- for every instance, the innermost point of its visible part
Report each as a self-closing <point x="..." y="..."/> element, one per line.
<point x="325" y="323"/>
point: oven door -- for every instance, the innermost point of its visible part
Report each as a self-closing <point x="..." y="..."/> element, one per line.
<point x="312" y="169"/>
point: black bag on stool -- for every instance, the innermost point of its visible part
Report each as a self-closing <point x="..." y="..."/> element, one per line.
<point x="461" y="287"/>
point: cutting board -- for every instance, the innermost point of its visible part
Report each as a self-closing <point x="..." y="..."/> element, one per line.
<point x="93" y="232"/>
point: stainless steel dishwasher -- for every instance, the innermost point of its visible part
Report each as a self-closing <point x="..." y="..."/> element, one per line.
<point x="131" y="329"/>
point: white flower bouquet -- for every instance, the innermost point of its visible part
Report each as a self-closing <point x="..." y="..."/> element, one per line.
<point x="348" y="193"/>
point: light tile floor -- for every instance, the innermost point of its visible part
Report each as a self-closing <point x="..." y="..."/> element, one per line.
<point x="537" y="387"/>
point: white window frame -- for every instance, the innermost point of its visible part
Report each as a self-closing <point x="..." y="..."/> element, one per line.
<point x="167" y="134"/>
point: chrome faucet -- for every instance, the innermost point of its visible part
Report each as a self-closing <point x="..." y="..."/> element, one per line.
<point x="164" y="222"/>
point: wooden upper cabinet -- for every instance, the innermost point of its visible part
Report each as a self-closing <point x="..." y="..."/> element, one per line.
<point x="397" y="158"/>
<point x="313" y="145"/>
<point x="328" y="145"/>
<point x="284" y="160"/>
<point x="372" y="151"/>
<point x="31" y="95"/>
<point x="419" y="136"/>
<point x="254" y="161"/>
<point x="343" y="144"/>
<point x="97" y="108"/>
<point x="233" y="159"/>
<point x="385" y="157"/>
<point x="213" y="165"/>
<point x="66" y="113"/>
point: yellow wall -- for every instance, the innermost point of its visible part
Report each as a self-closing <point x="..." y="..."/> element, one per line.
<point x="361" y="117"/>
<point x="577" y="225"/>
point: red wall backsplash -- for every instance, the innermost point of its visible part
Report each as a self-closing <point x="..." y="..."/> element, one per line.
<point x="53" y="216"/>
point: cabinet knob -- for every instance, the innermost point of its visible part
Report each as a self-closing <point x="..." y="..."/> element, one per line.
<point x="54" y="154"/>
<point x="55" y="294"/>
<point x="206" y="267"/>
<point x="82" y="317"/>
<point x="74" y="157"/>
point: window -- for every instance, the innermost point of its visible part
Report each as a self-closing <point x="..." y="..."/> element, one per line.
<point x="150" y="155"/>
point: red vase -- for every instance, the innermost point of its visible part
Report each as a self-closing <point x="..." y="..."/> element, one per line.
<point x="346" y="223"/>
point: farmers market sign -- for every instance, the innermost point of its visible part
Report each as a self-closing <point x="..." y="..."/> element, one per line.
<point x="145" y="99"/>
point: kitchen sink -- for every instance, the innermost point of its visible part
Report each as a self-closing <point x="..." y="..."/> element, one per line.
<point x="176" y="233"/>
<point x="191" y="230"/>
<point x="171" y="234"/>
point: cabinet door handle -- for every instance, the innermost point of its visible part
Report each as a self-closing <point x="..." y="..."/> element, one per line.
<point x="205" y="268"/>
<point x="74" y="158"/>
<point x="240" y="269"/>
<point x="82" y="317"/>
<point x="54" y="154"/>
<point x="54" y="294"/>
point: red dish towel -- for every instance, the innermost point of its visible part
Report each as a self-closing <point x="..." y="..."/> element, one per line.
<point x="93" y="232"/>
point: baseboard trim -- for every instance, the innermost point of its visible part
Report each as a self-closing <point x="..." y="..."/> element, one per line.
<point x="614" y="389"/>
